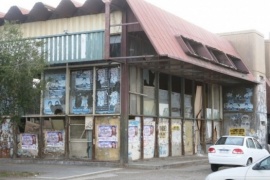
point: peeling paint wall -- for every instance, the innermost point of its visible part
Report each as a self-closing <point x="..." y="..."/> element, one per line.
<point x="245" y="107"/>
<point x="188" y="137"/>
<point x="261" y="111"/>
<point x="6" y="139"/>
<point x="176" y="137"/>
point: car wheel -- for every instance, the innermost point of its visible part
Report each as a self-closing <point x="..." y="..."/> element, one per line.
<point x="214" y="167"/>
<point x="249" y="161"/>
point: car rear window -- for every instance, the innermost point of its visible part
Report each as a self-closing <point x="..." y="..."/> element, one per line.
<point x="230" y="141"/>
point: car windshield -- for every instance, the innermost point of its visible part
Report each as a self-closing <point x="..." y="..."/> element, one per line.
<point x="230" y="141"/>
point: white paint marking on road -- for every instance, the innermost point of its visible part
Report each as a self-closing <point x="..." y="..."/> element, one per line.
<point x="81" y="175"/>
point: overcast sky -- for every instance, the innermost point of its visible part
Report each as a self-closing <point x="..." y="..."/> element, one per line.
<point x="216" y="16"/>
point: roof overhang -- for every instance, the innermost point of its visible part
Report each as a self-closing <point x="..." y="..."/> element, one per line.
<point x="176" y="67"/>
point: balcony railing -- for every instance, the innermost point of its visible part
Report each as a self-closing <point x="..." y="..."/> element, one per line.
<point x="86" y="46"/>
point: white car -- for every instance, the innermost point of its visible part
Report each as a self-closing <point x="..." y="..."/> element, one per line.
<point x="235" y="151"/>
<point x="258" y="171"/>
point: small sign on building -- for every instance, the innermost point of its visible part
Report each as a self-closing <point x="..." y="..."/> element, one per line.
<point x="237" y="132"/>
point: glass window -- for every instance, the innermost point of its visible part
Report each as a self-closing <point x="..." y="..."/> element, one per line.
<point x="149" y="107"/>
<point x="176" y="97"/>
<point x="188" y="99"/>
<point x="163" y="95"/>
<point x="265" y="164"/>
<point x="250" y="143"/>
<point x="230" y="141"/>
<point x="115" y="46"/>
<point x="258" y="145"/>
<point x="135" y="90"/>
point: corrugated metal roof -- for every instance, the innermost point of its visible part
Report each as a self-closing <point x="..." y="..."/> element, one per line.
<point x="163" y="28"/>
<point x="40" y="12"/>
<point x="16" y="13"/>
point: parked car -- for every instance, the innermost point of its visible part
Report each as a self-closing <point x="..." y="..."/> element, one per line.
<point x="255" y="171"/>
<point x="235" y="151"/>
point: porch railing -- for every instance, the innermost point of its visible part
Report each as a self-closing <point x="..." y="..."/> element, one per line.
<point x="77" y="47"/>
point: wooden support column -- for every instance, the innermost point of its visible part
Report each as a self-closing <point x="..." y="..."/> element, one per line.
<point x="107" y="29"/>
<point x="124" y="97"/>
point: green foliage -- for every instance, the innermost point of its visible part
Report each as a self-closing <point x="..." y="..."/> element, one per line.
<point x="21" y="61"/>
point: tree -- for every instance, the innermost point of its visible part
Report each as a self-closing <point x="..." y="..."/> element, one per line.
<point x="21" y="61"/>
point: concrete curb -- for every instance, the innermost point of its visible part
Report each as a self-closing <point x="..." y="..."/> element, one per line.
<point x="167" y="165"/>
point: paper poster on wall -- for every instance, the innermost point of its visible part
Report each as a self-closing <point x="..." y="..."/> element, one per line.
<point x="149" y="137"/>
<point x="84" y="80"/>
<point x="107" y="144"/>
<point x="29" y="141"/>
<point x="81" y="103"/>
<point x="89" y="123"/>
<point x="114" y="76"/>
<point x="102" y="78"/>
<point x="55" y="138"/>
<point x="51" y="106"/>
<point x="81" y="92"/>
<point x="54" y="99"/>
<point x="108" y="90"/>
<point x="107" y="135"/>
<point x="163" y="137"/>
<point x="134" y="140"/>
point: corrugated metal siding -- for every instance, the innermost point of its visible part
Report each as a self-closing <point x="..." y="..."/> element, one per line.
<point x="72" y="25"/>
<point x="74" y="47"/>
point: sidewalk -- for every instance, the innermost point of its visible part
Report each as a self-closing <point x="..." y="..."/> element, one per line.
<point x="68" y="169"/>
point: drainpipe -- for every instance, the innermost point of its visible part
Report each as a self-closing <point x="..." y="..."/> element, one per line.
<point x="107" y="29"/>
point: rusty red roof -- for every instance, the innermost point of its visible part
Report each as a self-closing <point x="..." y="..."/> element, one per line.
<point x="2" y="15"/>
<point x="163" y="28"/>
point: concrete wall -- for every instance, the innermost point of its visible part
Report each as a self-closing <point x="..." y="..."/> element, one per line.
<point x="250" y="46"/>
<point x="267" y="58"/>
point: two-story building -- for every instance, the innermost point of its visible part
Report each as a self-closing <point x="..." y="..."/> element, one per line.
<point x="127" y="80"/>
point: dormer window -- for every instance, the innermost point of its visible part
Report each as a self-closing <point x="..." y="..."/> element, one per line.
<point x="194" y="48"/>
<point x="220" y="57"/>
<point x="240" y="66"/>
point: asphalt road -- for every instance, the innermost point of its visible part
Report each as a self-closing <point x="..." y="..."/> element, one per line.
<point x="195" y="172"/>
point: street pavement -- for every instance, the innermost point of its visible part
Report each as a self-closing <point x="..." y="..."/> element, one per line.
<point x="68" y="169"/>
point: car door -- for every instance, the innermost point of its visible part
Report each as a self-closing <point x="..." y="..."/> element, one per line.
<point x="251" y="149"/>
<point x="259" y="152"/>
<point x="262" y="171"/>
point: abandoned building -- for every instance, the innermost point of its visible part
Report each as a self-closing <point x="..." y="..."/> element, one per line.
<point x="131" y="81"/>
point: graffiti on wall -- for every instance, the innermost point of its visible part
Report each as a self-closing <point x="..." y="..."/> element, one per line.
<point x="239" y="120"/>
<point x="238" y="99"/>
<point x="261" y="98"/>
